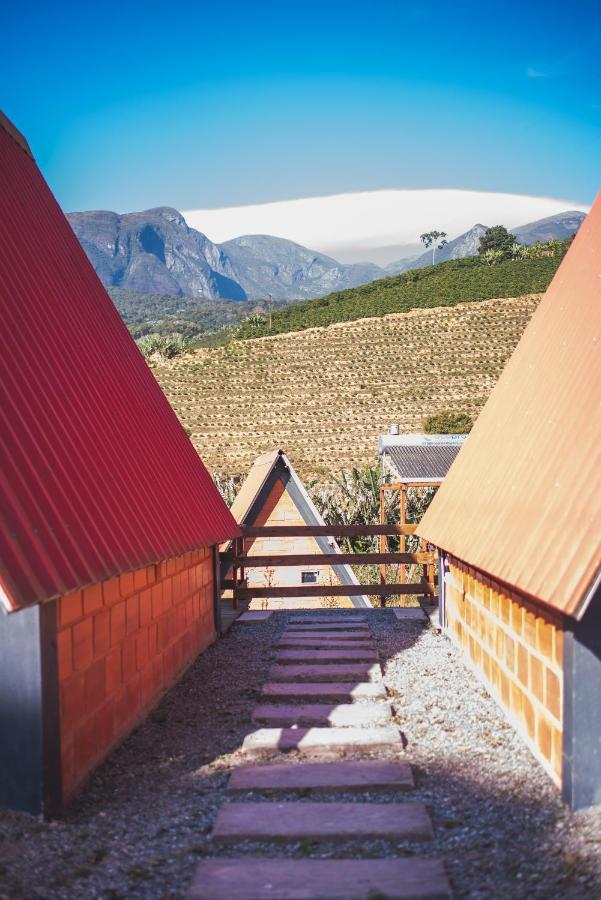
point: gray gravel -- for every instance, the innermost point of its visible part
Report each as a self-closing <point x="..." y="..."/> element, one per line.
<point x="144" y="821"/>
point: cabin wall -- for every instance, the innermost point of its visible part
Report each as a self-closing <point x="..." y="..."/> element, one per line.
<point x="279" y="509"/>
<point x="120" y="644"/>
<point x="517" y="653"/>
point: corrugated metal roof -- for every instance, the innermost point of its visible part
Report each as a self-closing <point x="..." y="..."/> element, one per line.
<point x="97" y="476"/>
<point x="522" y="501"/>
<point x="422" y="462"/>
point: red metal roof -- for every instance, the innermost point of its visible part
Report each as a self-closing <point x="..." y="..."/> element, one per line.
<point x="97" y="476"/>
<point x="522" y="501"/>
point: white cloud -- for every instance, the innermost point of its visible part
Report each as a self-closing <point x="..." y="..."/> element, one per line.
<point x="359" y="226"/>
<point x="535" y="73"/>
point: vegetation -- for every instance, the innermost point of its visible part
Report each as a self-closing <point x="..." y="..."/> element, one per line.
<point x="445" y="284"/>
<point x="435" y="239"/>
<point x="326" y="395"/>
<point x="158" y="348"/>
<point x="447" y="422"/>
<point x="192" y="317"/>
<point x="498" y="240"/>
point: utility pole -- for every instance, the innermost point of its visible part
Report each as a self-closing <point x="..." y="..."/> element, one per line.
<point x="270" y="307"/>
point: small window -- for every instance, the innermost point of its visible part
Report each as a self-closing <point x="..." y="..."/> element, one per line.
<point x="309" y="577"/>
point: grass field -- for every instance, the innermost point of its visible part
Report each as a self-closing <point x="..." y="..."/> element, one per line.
<point x="444" y="284"/>
<point x="326" y="394"/>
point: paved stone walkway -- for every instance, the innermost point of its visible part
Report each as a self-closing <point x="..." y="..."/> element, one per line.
<point x="325" y="698"/>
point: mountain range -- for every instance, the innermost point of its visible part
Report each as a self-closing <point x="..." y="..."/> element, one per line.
<point x="157" y="252"/>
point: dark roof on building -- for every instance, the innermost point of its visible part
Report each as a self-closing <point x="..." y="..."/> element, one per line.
<point x="522" y="502"/>
<point x="421" y="457"/>
<point x="97" y="476"/>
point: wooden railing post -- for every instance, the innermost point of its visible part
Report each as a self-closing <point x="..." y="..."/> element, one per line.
<point x="383" y="542"/>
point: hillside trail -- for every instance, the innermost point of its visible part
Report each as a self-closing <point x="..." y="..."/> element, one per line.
<point x="324" y="767"/>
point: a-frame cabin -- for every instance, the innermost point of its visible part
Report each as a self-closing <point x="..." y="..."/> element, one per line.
<point x="274" y="494"/>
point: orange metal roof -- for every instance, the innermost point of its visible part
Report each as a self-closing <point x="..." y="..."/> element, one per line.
<point x="97" y="476"/>
<point x="522" y="501"/>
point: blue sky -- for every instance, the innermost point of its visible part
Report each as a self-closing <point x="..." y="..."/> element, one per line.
<point x="128" y="106"/>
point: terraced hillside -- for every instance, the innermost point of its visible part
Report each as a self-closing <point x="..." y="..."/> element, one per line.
<point x="325" y="394"/>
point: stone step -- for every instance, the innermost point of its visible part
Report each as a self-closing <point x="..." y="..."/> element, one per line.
<point x="347" y="637"/>
<point x="324" y="741"/>
<point x="328" y="879"/>
<point x="347" y="775"/>
<point x="330" y="626"/>
<point x="324" y="643"/>
<point x="330" y="620"/>
<point x="306" y="656"/>
<point x="338" y="692"/>
<point x="357" y="715"/>
<point x="409" y="613"/>
<point x="327" y="672"/>
<point x="293" y="821"/>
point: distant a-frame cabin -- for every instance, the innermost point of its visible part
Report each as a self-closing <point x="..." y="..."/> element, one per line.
<point x="274" y="494"/>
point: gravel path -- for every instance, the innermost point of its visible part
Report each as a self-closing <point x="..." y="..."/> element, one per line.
<point x="145" y="819"/>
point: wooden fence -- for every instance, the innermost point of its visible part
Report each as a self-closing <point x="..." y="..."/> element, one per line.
<point x="238" y="560"/>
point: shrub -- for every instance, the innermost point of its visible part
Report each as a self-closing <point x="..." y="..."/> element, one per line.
<point x="447" y="422"/>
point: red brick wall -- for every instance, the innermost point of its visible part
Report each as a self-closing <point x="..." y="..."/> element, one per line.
<point x="517" y="651"/>
<point x="121" y="643"/>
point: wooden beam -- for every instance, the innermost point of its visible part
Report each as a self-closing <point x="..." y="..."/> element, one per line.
<point x="333" y="590"/>
<point x="332" y="559"/>
<point x="257" y="531"/>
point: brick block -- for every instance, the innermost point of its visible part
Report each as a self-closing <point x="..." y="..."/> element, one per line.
<point x="151" y="574"/>
<point x="104" y="725"/>
<point x="118" y="628"/>
<point x="522" y="663"/>
<point x="147" y="684"/>
<point x="73" y="705"/>
<point x="92" y="599"/>
<point x="126" y="584"/>
<point x="140" y="579"/>
<point x="544" y="737"/>
<point x="145" y="609"/>
<point x="494" y="603"/>
<point x="133" y="697"/>
<point x="529" y="716"/>
<point x="142" y="655"/>
<point x="509" y="653"/>
<point x="167" y="594"/>
<point x="111" y="591"/>
<point x="517" y="614"/>
<point x="157" y="673"/>
<point x="85" y="745"/>
<point x="132" y="613"/>
<point x="102" y="632"/>
<point x="537" y="678"/>
<point x="64" y="642"/>
<point x="70" y="608"/>
<point x="95" y="684"/>
<point x="530" y="628"/>
<point x="154" y="602"/>
<point x="120" y="710"/>
<point x="114" y="671"/>
<point x="544" y="638"/>
<point x="83" y="644"/>
<point x="558" y="647"/>
<point x="553" y="694"/>
<point x="153" y="639"/>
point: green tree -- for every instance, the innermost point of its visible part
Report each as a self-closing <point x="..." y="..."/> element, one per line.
<point x="434" y="239"/>
<point x="497" y="238"/>
<point x="447" y="422"/>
